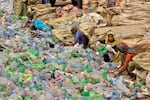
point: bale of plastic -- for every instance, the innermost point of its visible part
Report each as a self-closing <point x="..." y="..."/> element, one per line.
<point x="142" y="60"/>
<point x="148" y="83"/>
<point x="88" y="29"/>
<point x="115" y="20"/>
<point x="101" y="2"/>
<point x="64" y="36"/>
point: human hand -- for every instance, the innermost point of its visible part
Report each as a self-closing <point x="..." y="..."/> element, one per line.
<point x="116" y="73"/>
<point x="70" y="44"/>
<point x="98" y="44"/>
<point x="113" y="70"/>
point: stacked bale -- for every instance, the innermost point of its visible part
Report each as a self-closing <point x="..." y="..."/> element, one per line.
<point x="43" y="11"/>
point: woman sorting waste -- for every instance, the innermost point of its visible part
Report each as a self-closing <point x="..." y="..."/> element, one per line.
<point x="110" y="43"/>
<point x="128" y="65"/>
<point x="80" y="37"/>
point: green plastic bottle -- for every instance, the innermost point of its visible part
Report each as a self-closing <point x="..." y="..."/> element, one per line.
<point x="7" y="68"/>
<point x="76" y="54"/>
<point x="103" y="50"/>
<point x="140" y="84"/>
<point x="24" y="58"/>
<point x="22" y="69"/>
<point x="39" y="87"/>
<point x="64" y="66"/>
<point x="34" y="52"/>
<point x="22" y="17"/>
<point x="85" y="94"/>
<point x="89" y="69"/>
<point x="105" y="75"/>
<point x="2" y="88"/>
<point x="52" y="68"/>
<point x="28" y="98"/>
<point x="1" y="14"/>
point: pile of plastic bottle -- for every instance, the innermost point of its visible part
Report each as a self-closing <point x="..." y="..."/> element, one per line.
<point x="32" y="70"/>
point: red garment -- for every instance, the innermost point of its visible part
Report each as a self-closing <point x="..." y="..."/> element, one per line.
<point x="129" y="57"/>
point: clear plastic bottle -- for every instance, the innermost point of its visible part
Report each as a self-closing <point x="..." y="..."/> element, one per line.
<point x="2" y="97"/>
<point x="122" y="87"/>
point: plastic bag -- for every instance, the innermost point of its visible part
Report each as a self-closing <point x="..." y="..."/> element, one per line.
<point x="40" y="25"/>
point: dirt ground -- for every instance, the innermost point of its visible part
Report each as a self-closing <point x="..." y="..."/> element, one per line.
<point x="128" y="29"/>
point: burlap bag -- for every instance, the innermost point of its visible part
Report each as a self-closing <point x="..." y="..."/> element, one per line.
<point x="142" y="44"/>
<point x="115" y="20"/>
<point x="64" y="36"/>
<point x="40" y="6"/>
<point x="143" y="60"/>
<point x="148" y="83"/>
<point x="44" y="11"/>
<point x="56" y="21"/>
<point x="43" y="17"/>
<point x="114" y="10"/>
<point x="102" y="2"/>
<point x="17" y="6"/>
<point x="88" y="29"/>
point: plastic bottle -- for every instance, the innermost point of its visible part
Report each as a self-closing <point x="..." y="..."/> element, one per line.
<point x="105" y="75"/>
<point x="89" y="69"/>
<point x="140" y="84"/>
<point x="122" y="87"/>
<point x="111" y="65"/>
<point x="2" y="88"/>
<point x="2" y="97"/>
<point x="115" y="95"/>
<point x="108" y="95"/>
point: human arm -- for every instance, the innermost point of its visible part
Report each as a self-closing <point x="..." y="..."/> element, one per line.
<point x="102" y="41"/>
<point x="77" y="38"/>
<point x="71" y="44"/>
<point x="123" y="67"/>
<point x="125" y="62"/>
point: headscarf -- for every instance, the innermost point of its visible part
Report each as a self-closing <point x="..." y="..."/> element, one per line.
<point x="124" y="48"/>
<point x="114" y="43"/>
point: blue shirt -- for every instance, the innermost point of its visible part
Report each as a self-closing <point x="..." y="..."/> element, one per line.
<point x="78" y="37"/>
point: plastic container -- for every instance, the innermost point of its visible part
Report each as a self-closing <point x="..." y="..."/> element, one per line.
<point x="103" y="50"/>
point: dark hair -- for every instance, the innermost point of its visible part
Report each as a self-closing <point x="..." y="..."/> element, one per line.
<point x="122" y="47"/>
<point x="73" y="30"/>
<point x="111" y="35"/>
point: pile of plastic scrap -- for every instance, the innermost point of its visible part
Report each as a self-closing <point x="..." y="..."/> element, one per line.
<point x="32" y="69"/>
<point x="62" y="73"/>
